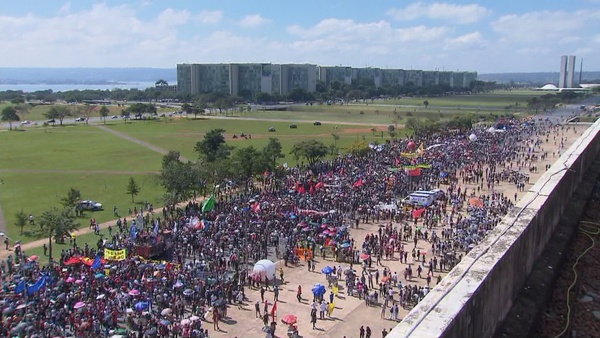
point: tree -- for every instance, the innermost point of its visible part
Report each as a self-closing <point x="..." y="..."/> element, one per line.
<point x="426" y="104"/>
<point x="133" y="188"/>
<point x="104" y="111"/>
<point x="22" y="109"/>
<point x="86" y="111"/>
<point x="247" y="162"/>
<point x="310" y="150"/>
<point x="126" y="114"/>
<point x="359" y="148"/>
<point x="213" y="146"/>
<point x="161" y="83"/>
<point x="273" y="151"/>
<point x="57" y="224"/>
<point x="71" y="199"/>
<point x="59" y="112"/>
<point x="21" y="220"/>
<point x="9" y="114"/>
<point x="179" y="179"/>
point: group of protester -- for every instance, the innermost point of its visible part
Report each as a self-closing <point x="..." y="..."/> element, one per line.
<point x="310" y="211"/>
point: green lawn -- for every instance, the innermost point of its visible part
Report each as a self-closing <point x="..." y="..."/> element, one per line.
<point x="182" y="135"/>
<point x="74" y="148"/>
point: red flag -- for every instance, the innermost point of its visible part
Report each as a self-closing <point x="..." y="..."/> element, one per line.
<point x="311" y="190"/>
<point x="398" y="162"/>
<point x="418" y="212"/>
<point x="301" y="189"/>
<point x="414" y="172"/>
<point x="255" y="207"/>
<point x="319" y="185"/>
<point x="274" y="309"/>
<point x="358" y="183"/>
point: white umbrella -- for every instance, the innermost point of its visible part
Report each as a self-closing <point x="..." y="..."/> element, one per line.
<point x="166" y="312"/>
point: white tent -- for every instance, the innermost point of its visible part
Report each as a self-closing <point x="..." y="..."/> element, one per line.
<point x="264" y="268"/>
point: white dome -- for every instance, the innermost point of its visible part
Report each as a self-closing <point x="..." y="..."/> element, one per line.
<point x="549" y="86"/>
<point x="264" y="268"/>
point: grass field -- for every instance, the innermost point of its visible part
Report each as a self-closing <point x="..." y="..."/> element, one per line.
<point x="182" y="134"/>
<point x="39" y="165"/>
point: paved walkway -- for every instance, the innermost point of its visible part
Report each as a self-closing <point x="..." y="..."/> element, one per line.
<point x="138" y="141"/>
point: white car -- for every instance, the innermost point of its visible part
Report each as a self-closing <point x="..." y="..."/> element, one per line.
<point x="79" y="119"/>
<point x="89" y="205"/>
<point x="25" y="122"/>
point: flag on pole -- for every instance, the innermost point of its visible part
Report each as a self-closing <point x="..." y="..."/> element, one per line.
<point x="274" y="309"/>
<point x="209" y="204"/>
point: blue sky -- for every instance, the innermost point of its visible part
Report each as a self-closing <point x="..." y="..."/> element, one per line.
<point x="484" y="36"/>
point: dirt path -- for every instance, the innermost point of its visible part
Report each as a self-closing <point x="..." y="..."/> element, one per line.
<point x="137" y="141"/>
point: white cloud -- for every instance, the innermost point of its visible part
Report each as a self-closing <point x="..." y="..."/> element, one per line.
<point x="545" y="25"/>
<point x="209" y="17"/>
<point x="471" y="41"/>
<point x="460" y="14"/>
<point x="65" y="9"/>
<point x="336" y="30"/>
<point x="253" y="20"/>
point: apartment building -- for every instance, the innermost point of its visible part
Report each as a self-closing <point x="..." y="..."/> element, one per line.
<point x="248" y="79"/>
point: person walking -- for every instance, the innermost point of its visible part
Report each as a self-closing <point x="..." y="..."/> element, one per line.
<point x="257" y="309"/>
<point x="299" y="293"/>
<point x="361" y="331"/>
<point x="313" y="319"/>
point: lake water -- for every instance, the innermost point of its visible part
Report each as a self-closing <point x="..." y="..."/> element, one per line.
<point x="28" y="88"/>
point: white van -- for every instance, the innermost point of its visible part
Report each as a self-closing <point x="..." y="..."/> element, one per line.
<point x="420" y="198"/>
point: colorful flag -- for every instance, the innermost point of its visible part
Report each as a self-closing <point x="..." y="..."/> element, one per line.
<point x="256" y="207"/>
<point x="358" y="183"/>
<point x="20" y="287"/>
<point x="97" y="264"/>
<point x="209" y="204"/>
<point x="37" y="286"/>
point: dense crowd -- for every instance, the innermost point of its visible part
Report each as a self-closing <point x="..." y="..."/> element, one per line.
<point x="307" y="213"/>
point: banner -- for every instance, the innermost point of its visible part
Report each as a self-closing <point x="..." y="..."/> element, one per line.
<point x="410" y="155"/>
<point x="413" y="167"/>
<point x="115" y="255"/>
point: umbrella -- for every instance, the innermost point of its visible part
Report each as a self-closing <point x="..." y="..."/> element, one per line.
<point x="8" y="310"/>
<point x="178" y="284"/>
<point x="99" y="275"/>
<point x="385" y="279"/>
<point x="194" y="318"/>
<point x="70" y="280"/>
<point x="188" y="292"/>
<point x="134" y="292"/>
<point x="326" y="232"/>
<point x="166" y="311"/>
<point x="79" y="305"/>
<point x="475" y="202"/>
<point x="364" y="256"/>
<point x="129" y="311"/>
<point x="327" y="270"/>
<point x="140" y="306"/>
<point x="307" y="229"/>
<point x="289" y="319"/>
<point x="151" y="332"/>
<point x="33" y="258"/>
<point x="21" y="306"/>
<point x="164" y="322"/>
<point x="319" y="289"/>
<point x="185" y="322"/>
<point x="345" y="245"/>
<point x="101" y="296"/>
<point x="79" y="281"/>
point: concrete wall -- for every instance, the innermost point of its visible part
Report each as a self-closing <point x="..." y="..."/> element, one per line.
<point x="477" y="294"/>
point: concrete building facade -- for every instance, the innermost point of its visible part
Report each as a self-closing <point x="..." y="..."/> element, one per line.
<point x="251" y="78"/>
<point x="567" y="71"/>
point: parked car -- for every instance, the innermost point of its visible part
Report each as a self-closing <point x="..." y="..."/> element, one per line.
<point x="51" y="121"/>
<point x="114" y="117"/>
<point x="317" y="123"/>
<point x="79" y="119"/>
<point x="293" y="126"/>
<point x="271" y="129"/>
<point x="89" y="205"/>
<point x="25" y="122"/>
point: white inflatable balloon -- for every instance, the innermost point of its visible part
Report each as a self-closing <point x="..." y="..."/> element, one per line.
<point x="472" y="137"/>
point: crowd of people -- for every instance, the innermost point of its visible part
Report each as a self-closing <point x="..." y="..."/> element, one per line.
<point x="309" y="212"/>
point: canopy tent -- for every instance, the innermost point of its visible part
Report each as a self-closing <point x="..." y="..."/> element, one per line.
<point x="264" y="268"/>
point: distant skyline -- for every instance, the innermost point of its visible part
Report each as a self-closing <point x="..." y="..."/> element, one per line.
<point x="484" y="36"/>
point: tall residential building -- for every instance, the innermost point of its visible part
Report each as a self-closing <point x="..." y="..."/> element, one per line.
<point x="245" y="79"/>
<point x="248" y="79"/>
<point x="567" y="71"/>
